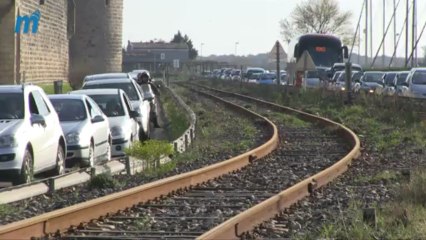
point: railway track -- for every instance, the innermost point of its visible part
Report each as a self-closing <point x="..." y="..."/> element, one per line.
<point x="188" y="214"/>
<point x="202" y="204"/>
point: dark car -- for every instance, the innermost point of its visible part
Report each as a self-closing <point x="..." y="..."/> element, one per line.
<point x="371" y="82"/>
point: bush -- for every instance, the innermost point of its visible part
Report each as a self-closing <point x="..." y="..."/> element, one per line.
<point x="104" y="180"/>
<point x="150" y="151"/>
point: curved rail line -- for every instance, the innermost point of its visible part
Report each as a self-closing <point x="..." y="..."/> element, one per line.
<point x="247" y="220"/>
<point x="61" y="220"/>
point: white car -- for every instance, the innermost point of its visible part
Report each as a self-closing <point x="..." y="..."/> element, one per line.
<point x="121" y="117"/>
<point x="31" y="137"/>
<point x="104" y="76"/>
<point x="416" y="83"/>
<point x="139" y="102"/>
<point x="86" y="129"/>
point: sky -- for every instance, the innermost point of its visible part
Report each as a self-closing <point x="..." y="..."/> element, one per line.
<point x="244" y="26"/>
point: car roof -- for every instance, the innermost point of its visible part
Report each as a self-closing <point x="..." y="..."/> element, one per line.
<point x="98" y="91"/>
<point x="67" y="96"/>
<point x="18" y="88"/>
<point x="106" y="81"/>
<point x="106" y="75"/>
<point x="367" y="72"/>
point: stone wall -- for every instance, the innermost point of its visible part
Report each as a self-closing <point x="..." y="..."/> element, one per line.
<point x="7" y="42"/>
<point x="44" y="55"/>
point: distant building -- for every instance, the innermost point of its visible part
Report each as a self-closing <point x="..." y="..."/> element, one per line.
<point x="154" y="56"/>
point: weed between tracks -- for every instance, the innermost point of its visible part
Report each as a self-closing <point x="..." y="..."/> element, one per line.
<point x="216" y="130"/>
<point x="393" y="136"/>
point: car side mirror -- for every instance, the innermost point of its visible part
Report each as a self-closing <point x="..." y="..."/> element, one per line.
<point x="134" y="114"/>
<point x="38" y="119"/>
<point x="97" y="119"/>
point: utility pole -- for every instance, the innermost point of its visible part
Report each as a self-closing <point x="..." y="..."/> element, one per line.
<point x="384" y="26"/>
<point x="407" y="12"/>
<point x="366" y="33"/>
<point x="414" y="35"/>
<point x="277" y="45"/>
<point x="394" y="24"/>
<point x="371" y="28"/>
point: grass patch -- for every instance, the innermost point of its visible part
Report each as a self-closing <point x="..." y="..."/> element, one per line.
<point x="386" y="176"/>
<point x="214" y="126"/>
<point x="290" y="120"/>
<point x="48" y="88"/>
<point x="102" y="181"/>
<point x="176" y="116"/>
<point x="7" y="209"/>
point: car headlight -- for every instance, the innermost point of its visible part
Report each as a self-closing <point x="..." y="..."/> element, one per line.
<point x="73" y="138"/>
<point x="371" y="91"/>
<point x="343" y="88"/>
<point x="8" y="141"/>
<point x="116" y="131"/>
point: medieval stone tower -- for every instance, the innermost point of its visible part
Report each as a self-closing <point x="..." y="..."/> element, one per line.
<point x="95" y="46"/>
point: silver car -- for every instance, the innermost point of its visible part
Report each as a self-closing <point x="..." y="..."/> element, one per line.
<point x="31" y="137"/>
<point x="416" y="83"/>
<point x="121" y="117"/>
<point x="86" y="129"/>
<point x="139" y="102"/>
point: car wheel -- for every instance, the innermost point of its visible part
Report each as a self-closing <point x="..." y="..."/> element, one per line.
<point x="60" y="161"/>
<point x="27" y="171"/>
<point x="90" y="162"/>
<point x="108" y="152"/>
<point x="143" y="136"/>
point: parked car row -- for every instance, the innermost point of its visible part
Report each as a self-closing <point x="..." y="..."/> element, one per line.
<point x="40" y="133"/>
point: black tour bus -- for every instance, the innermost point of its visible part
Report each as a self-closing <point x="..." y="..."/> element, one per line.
<point x="324" y="49"/>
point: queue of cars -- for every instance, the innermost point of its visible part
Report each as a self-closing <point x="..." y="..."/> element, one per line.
<point x="400" y="83"/>
<point x="40" y="133"/>
<point x="250" y="75"/>
<point x="404" y="83"/>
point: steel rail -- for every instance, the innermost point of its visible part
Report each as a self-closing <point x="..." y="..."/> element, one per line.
<point x="60" y="220"/>
<point x="247" y="220"/>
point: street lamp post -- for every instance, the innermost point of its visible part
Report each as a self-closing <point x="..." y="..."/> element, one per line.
<point x="236" y="44"/>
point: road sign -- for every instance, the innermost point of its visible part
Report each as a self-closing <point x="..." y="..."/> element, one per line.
<point x="176" y="63"/>
<point x="305" y="62"/>
<point x="273" y="53"/>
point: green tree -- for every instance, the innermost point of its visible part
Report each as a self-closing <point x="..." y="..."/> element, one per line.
<point x="318" y="16"/>
<point x="178" y="38"/>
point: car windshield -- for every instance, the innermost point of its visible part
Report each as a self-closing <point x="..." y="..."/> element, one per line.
<point x="313" y="74"/>
<point x="127" y="87"/>
<point x="389" y="78"/>
<point x="342" y="77"/>
<point x="110" y="104"/>
<point x="268" y="76"/>
<point x="401" y="78"/>
<point x="11" y="106"/>
<point x="69" y="109"/>
<point x="373" y="77"/>
<point x="419" y="77"/>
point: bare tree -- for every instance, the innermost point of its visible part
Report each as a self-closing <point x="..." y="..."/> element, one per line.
<point x="318" y="16"/>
